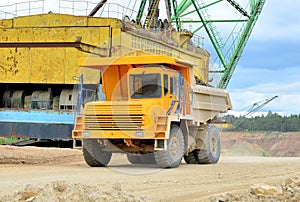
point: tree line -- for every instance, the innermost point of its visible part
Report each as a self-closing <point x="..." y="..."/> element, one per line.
<point x="269" y="122"/>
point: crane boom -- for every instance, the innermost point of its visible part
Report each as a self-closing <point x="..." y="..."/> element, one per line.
<point x="259" y="105"/>
<point x="254" y="108"/>
<point x="239" y="48"/>
<point x="184" y="11"/>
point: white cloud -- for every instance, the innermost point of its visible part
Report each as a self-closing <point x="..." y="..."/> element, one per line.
<point x="277" y="87"/>
<point x="270" y="61"/>
<point x="247" y="76"/>
<point x="286" y="103"/>
<point x="252" y="85"/>
<point x="279" y="20"/>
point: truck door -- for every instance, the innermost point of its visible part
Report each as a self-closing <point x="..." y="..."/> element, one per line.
<point x="170" y="93"/>
<point x="166" y="93"/>
<point x="185" y="95"/>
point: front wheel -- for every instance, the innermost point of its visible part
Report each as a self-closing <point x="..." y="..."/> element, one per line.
<point x="93" y="154"/>
<point x="172" y="156"/>
<point x="210" y="154"/>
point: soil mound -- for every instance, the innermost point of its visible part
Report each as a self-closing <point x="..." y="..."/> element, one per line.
<point x="273" y="144"/>
<point x="37" y="155"/>
<point x="289" y="190"/>
<point x="62" y="191"/>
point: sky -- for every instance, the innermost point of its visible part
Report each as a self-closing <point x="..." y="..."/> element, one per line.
<point x="270" y="63"/>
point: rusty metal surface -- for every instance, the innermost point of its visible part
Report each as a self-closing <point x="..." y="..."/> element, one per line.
<point x="40" y="44"/>
<point x="36" y="130"/>
<point x="45" y="48"/>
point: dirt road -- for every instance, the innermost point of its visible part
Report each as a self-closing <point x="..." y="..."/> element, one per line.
<point x="186" y="183"/>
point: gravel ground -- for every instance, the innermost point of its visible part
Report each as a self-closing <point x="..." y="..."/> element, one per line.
<point x="50" y="174"/>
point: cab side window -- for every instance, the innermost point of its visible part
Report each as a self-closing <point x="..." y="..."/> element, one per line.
<point x="166" y="84"/>
<point x="173" y="85"/>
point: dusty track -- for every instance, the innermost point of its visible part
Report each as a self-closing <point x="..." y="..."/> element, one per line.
<point x="186" y="183"/>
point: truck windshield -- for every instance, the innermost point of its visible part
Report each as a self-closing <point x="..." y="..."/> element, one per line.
<point x="145" y="86"/>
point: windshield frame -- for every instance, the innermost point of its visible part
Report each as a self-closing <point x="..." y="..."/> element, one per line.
<point x="146" y="87"/>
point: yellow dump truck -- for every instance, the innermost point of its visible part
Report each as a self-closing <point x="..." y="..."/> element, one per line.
<point x="153" y="111"/>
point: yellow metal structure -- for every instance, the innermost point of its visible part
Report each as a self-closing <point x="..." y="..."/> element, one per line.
<point x="50" y="64"/>
<point x="54" y="65"/>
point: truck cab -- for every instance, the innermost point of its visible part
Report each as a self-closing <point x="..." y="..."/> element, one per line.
<point x="154" y="82"/>
<point x="154" y="112"/>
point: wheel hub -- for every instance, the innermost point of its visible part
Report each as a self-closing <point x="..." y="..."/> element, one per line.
<point x="174" y="147"/>
<point x="213" y="146"/>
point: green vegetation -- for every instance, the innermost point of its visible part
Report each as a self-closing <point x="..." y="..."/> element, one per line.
<point x="270" y="122"/>
<point x="265" y="153"/>
<point x="8" y="140"/>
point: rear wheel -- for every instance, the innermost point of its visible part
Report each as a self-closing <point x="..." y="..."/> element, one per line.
<point x="141" y="158"/>
<point x="210" y="154"/>
<point x="134" y="158"/>
<point x="93" y="154"/>
<point x="148" y="158"/>
<point x="192" y="157"/>
<point x="172" y="156"/>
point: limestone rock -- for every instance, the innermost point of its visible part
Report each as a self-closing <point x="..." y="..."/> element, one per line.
<point x="60" y="186"/>
<point x="291" y="183"/>
<point x="264" y="189"/>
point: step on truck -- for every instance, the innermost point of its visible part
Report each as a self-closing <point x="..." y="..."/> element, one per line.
<point x="153" y="110"/>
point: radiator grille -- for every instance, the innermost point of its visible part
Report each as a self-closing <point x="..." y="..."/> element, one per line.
<point x="113" y="117"/>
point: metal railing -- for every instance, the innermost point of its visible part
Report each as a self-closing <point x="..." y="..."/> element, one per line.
<point x="22" y="9"/>
<point x="117" y="11"/>
<point x="74" y="7"/>
<point x="198" y="41"/>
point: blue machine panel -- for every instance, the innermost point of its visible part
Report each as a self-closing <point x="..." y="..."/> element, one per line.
<point x="44" y="124"/>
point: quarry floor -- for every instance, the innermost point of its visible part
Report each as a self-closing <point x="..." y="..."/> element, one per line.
<point x="235" y="173"/>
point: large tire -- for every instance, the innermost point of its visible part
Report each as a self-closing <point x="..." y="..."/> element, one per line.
<point x="211" y="153"/>
<point x="192" y="157"/>
<point x="172" y="156"/>
<point x="134" y="159"/>
<point x="148" y="158"/>
<point x="93" y="155"/>
<point x="141" y="158"/>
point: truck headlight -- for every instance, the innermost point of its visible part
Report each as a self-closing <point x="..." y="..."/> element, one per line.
<point x="139" y="134"/>
<point x="86" y="133"/>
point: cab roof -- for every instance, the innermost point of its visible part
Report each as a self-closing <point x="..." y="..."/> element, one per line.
<point x="100" y="63"/>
